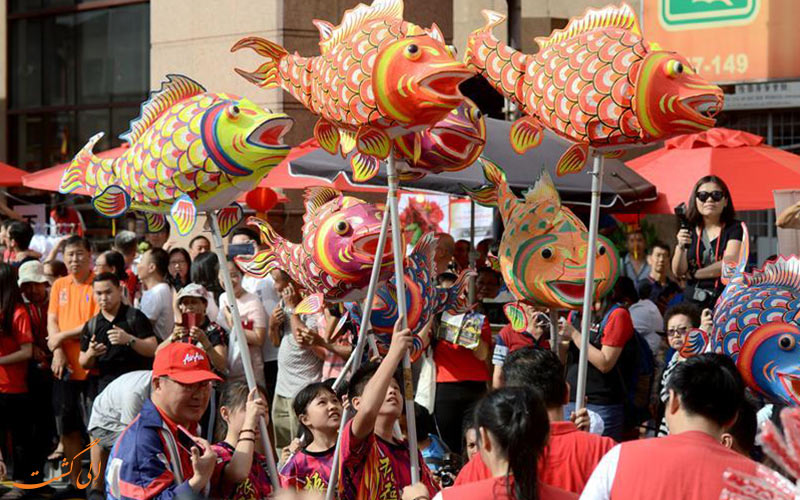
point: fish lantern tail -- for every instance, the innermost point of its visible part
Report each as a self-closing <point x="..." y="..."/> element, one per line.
<point x="488" y="195"/>
<point x="74" y="175"/>
<point x="267" y="75"/>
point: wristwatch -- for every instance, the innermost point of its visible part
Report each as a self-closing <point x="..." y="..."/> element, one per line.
<point x="131" y="342"/>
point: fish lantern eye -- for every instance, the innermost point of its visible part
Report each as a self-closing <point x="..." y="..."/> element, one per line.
<point x="547" y="253"/>
<point x="786" y="342"/>
<point x="233" y="111"/>
<point x="475" y="114"/>
<point x="412" y="52"/>
<point x="601" y="251"/>
<point x="451" y="49"/>
<point x="341" y="227"/>
<point x="674" y="68"/>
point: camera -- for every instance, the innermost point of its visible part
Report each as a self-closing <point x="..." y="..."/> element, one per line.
<point x="680" y="213"/>
<point x="447" y="470"/>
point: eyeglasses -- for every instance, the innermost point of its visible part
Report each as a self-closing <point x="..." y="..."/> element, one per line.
<point x="703" y="196"/>
<point x="677" y="332"/>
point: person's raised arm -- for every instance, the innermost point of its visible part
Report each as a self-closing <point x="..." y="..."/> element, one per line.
<point x="790" y="217"/>
<point x="238" y="468"/>
<point x="680" y="264"/>
<point x="375" y="391"/>
<point x="604" y="359"/>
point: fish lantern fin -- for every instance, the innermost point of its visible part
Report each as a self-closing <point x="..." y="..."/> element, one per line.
<point x="696" y="343"/>
<point x="374" y="142"/>
<point x="184" y="214"/>
<point x="112" y="202"/>
<point x="457" y="300"/>
<point x="573" y="160"/>
<point x="436" y="33"/>
<point x="267" y="75"/>
<point x="269" y="238"/>
<point x="516" y="316"/>
<point x="317" y="196"/>
<point x="260" y="264"/>
<point x="612" y="16"/>
<point x="526" y="133"/>
<point x="732" y="268"/>
<point x="75" y="174"/>
<point x="154" y="223"/>
<point x="544" y="194"/>
<point x="410" y="175"/>
<point x="492" y="19"/>
<point x="489" y="194"/>
<point x="176" y="88"/>
<point x="325" y="29"/>
<point x="228" y="218"/>
<point x="365" y="167"/>
<point x="347" y="141"/>
<point x="614" y="154"/>
<point x="310" y="305"/>
<point x="327" y="135"/>
<point x="354" y="19"/>
<point x="426" y="248"/>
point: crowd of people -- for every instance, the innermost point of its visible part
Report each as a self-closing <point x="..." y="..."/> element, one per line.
<point x="130" y="352"/>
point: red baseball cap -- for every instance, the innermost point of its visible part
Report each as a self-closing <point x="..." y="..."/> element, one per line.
<point x="185" y="363"/>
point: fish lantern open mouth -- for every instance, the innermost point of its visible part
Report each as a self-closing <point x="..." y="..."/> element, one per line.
<point x="458" y="144"/>
<point x="791" y="382"/>
<point x="443" y="86"/>
<point x="270" y="133"/>
<point x="366" y="247"/>
<point x="570" y="291"/>
<point x="707" y="106"/>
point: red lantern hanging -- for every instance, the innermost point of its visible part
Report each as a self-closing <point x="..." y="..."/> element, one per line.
<point x="261" y="199"/>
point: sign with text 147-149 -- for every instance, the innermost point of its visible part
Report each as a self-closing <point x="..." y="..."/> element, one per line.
<point x="729" y="41"/>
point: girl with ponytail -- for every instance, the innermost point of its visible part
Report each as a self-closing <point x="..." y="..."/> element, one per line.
<point x="512" y="428"/>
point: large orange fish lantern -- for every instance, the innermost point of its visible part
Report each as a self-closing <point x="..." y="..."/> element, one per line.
<point x="377" y="78"/>
<point x="597" y="83"/>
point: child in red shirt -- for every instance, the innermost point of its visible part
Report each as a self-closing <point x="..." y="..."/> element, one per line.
<point x="319" y="412"/>
<point x="241" y="470"/>
<point x="373" y="463"/>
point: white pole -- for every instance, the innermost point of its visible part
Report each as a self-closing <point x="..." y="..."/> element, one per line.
<point x="399" y="255"/>
<point x="355" y="358"/>
<point x="588" y="292"/>
<point x="240" y="339"/>
<point x="554" y="340"/>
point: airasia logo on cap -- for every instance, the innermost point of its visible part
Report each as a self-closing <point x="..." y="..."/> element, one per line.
<point x="191" y="358"/>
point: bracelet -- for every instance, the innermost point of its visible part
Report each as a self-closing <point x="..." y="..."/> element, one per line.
<point x="247" y="430"/>
<point x="252" y="440"/>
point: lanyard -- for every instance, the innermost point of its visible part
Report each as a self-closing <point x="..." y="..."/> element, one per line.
<point x="717" y="256"/>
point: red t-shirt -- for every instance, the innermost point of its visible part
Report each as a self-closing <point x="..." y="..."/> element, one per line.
<point x="455" y="363"/>
<point x="689" y="466"/>
<point x="619" y="328"/>
<point x="496" y="488"/>
<point x="567" y="462"/>
<point x="13" y="376"/>
<point x="374" y="468"/>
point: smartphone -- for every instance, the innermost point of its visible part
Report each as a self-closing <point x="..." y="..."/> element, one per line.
<point x="186" y="439"/>
<point x="241" y="249"/>
<point x="189" y="320"/>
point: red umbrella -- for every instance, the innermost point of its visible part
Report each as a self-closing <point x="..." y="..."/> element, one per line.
<point x="751" y="169"/>
<point x="10" y="176"/>
<point x="49" y="179"/>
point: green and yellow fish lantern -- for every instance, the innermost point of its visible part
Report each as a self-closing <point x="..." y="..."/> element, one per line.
<point x="597" y="83"/>
<point x="543" y="249"/>
<point x="377" y="78"/>
<point x="190" y="150"/>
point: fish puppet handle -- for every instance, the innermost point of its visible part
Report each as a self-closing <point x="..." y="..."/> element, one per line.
<point x="462" y="329"/>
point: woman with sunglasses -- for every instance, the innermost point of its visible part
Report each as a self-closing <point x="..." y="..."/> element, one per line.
<point x="536" y="333"/>
<point x="713" y="234"/>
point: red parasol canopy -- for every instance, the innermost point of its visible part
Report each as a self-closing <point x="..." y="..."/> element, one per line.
<point x="751" y="169"/>
<point x="10" y="176"/>
<point x="49" y="179"/>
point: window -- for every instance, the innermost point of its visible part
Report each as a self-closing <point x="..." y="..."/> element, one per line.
<point x="75" y="68"/>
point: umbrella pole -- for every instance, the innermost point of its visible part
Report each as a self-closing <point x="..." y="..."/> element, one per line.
<point x="588" y="291"/>
<point x="240" y="339"/>
<point x="355" y="358"/>
<point x="399" y="254"/>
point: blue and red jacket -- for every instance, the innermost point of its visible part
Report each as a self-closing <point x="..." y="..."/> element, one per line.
<point x="146" y="461"/>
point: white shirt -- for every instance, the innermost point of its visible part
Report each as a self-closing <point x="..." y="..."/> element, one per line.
<point x="120" y="402"/>
<point x="602" y="479"/>
<point x="253" y="315"/>
<point x="156" y="304"/>
<point x="265" y="291"/>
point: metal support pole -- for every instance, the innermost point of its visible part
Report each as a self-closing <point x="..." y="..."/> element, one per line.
<point x="399" y="255"/>
<point x="239" y="338"/>
<point x="355" y="358"/>
<point x="588" y="291"/>
<point x="472" y="290"/>
<point x="554" y="341"/>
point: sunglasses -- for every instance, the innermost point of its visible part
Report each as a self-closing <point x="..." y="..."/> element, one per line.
<point x="677" y="332"/>
<point x="703" y="196"/>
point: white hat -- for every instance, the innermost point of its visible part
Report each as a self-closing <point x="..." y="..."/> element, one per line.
<point x="193" y="290"/>
<point x="31" y="272"/>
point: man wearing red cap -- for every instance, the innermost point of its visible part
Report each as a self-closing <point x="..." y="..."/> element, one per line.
<point x="147" y="461"/>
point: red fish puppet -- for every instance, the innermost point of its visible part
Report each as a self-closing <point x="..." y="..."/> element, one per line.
<point x="377" y="78"/>
<point x="596" y="83"/>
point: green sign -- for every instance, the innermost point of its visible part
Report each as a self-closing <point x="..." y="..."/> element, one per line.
<point x="691" y="14"/>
